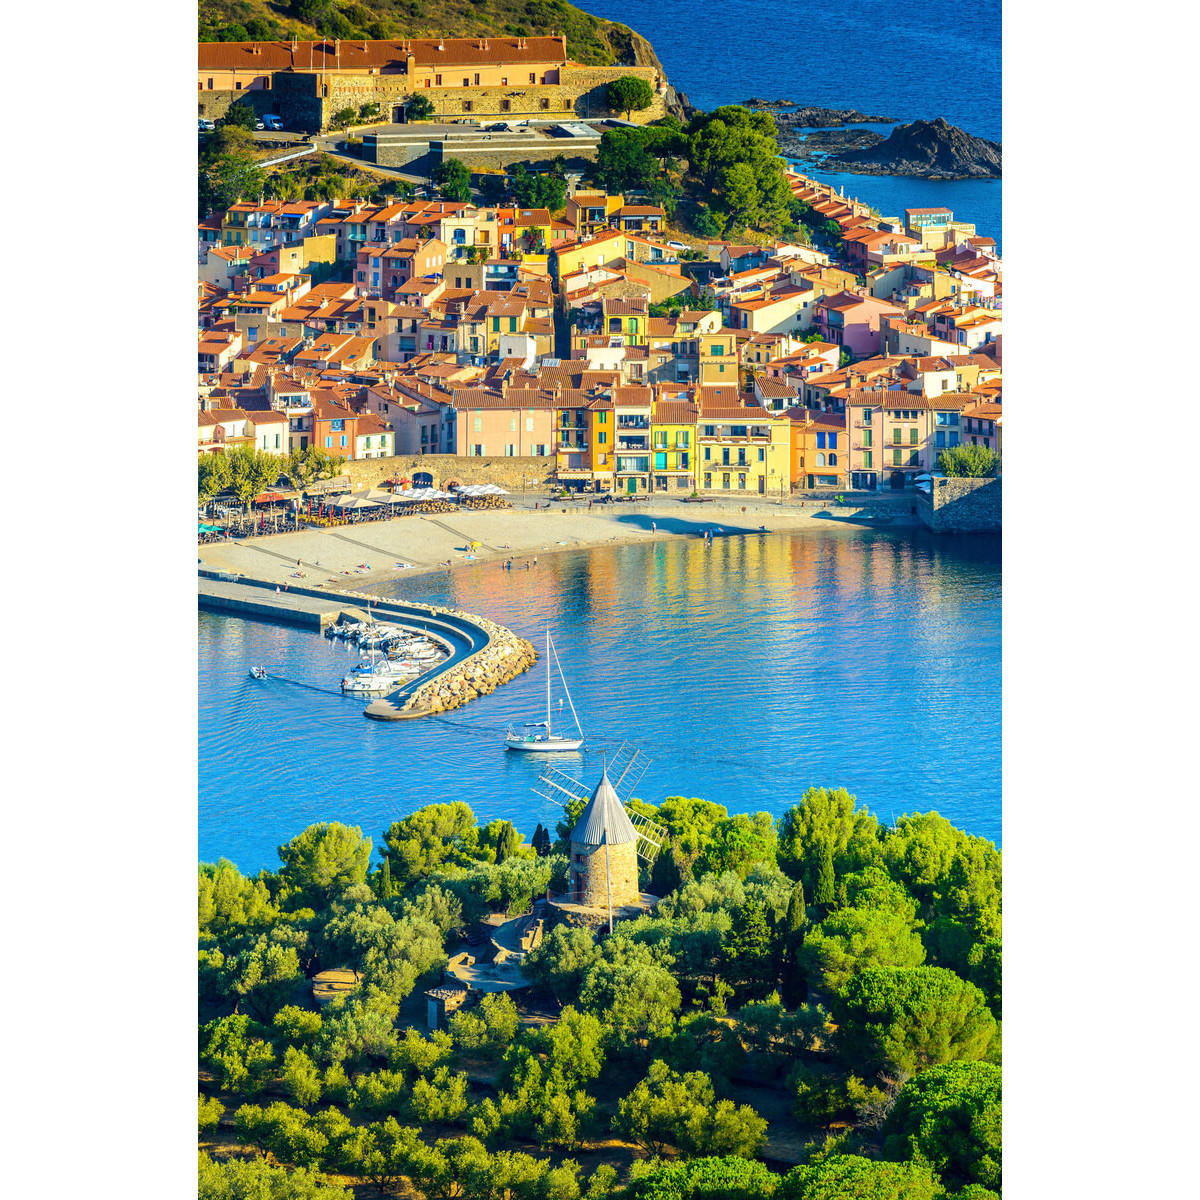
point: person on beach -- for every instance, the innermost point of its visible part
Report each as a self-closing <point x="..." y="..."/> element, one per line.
<point x="589" y="504"/>
<point x="653" y="526"/>
<point x="535" y="560"/>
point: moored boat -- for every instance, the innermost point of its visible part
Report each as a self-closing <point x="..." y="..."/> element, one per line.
<point x="548" y="742"/>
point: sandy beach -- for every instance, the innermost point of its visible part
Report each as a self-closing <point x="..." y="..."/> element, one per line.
<point x="357" y="556"/>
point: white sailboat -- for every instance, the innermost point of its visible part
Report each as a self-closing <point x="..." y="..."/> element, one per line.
<point x="547" y="742"/>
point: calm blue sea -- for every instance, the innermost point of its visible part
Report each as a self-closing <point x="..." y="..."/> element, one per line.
<point x="747" y="672"/>
<point x="923" y="59"/>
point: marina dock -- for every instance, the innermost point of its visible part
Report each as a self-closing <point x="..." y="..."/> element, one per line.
<point x="465" y="637"/>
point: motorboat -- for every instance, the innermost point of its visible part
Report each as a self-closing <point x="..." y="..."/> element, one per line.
<point x="379" y="677"/>
<point x="547" y="741"/>
<point x="258" y="672"/>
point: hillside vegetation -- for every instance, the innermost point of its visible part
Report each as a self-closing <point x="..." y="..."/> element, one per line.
<point x="815" y="992"/>
<point x="589" y="40"/>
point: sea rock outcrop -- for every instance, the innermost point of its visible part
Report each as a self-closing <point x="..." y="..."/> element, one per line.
<point x="928" y="149"/>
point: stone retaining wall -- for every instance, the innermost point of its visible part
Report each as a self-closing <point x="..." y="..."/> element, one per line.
<point x="447" y="468"/>
<point x="964" y="506"/>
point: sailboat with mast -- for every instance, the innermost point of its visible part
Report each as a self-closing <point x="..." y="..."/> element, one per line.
<point x="547" y="742"/>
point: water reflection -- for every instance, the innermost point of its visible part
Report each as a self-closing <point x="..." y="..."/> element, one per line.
<point x="747" y="670"/>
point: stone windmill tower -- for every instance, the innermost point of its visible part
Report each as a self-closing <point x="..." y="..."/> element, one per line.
<point x="608" y="839"/>
<point x="604" y="861"/>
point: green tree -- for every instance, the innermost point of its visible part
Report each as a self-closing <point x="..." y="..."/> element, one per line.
<point x="453" y="179"/>
<point x="263" y="974"/>
<point x="727" y="1178"/>
<point x="974" y="462"/>
<point x="950" y="1117"/>
<point x="844" y="1175"/>
<point x="636" y="993"/>
<point x="241" y="114"/>
<point x="823" y="885"/>
<point x="441" y="1096"/>
<point x="299" y="1027"/>
<point x="384" y="888"/>
<point x="229" y="179"/>
<point x="209" y="1111"/>
<point x="622" y="162"/>
<point x="669" y="1109"/>
<point x="790" y="940"/>
<point x="237" y="1053"/>
<point x="629" y="94"/>
<point x="323" y="860"/>
<point x="739" y="842"/>
<point x="435" y="834"/>
<point x="488" y="1029"/>
<point x="903" y="1019"/>
<point x="562" y="961"/>
<point x="823" y="817"/>
<point x="852" y="939"/>
<point x="238" y="1179"/>
<point x="419" y="107"/>
<point x="343" y="118"/>
<point x="750" y="962"/>
<point x="227" y="902"/>
<point x="951" y="873"/>
<point x="301" y="1079"/>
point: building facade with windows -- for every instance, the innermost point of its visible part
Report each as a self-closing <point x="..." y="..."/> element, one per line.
<point x="895" y="436"/>
<point x="741" y="446"/>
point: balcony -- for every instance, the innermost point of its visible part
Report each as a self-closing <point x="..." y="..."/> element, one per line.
<point x="632" y="444"/>
<point x="572" y="447"/>
<point x="633" y="422"/>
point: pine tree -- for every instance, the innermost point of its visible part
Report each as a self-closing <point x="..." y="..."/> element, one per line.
<point x="383" y="883"/>
<point x="824" y="892"/>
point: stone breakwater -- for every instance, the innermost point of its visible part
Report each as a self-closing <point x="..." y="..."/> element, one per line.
<point x="503" y="658"/>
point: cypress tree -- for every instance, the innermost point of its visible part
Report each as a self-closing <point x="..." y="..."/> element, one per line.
<point x="792" y="928"/>
<point x="536" y="843"/>
<point x="824" y="892"/>
<point x="383" y="885"/>
<point x="507" y="841"/>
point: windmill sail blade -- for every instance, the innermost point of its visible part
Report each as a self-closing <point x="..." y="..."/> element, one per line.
<point x="559" y="788"/>
<point x="651" y="835"/>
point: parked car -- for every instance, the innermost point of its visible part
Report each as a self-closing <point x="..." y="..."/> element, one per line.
<point x="206" y="126"/>
<point x="677" y="245"/>
<point x="272" y="121"/>
<point x="259" y="125"/>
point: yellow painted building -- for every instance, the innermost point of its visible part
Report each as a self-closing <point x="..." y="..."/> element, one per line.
<point x="586" y="441"/>
<point x="742" y="447"/>
<point x="673" y="442"/>
<point x="718" y="358"/>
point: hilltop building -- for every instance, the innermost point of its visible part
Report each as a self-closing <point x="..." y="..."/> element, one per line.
<point x="479" y="78"/>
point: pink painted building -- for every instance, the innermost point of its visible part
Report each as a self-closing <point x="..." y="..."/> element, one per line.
<point x="851" y="321"/>
<point x="518" y="424"/>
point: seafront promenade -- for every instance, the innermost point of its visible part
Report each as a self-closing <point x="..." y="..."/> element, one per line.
<point x="354" y="557"/>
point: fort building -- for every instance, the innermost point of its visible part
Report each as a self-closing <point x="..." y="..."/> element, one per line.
<point x="307" y="82"/>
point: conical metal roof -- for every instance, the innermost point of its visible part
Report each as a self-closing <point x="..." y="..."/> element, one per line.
<point x="604" y="819"/>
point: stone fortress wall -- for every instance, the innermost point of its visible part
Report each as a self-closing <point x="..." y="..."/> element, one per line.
<point x="308" y="101"/>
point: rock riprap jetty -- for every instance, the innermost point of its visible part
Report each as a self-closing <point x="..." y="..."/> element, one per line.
<point x="503" y="658"/>
<point x="925" y="149"/>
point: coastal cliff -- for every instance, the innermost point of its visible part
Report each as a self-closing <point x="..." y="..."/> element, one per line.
<point x="927" y="149"/>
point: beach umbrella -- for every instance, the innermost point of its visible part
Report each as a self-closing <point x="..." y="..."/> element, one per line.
<point x="351" y="502"/>
<point x="268" y="498"/>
